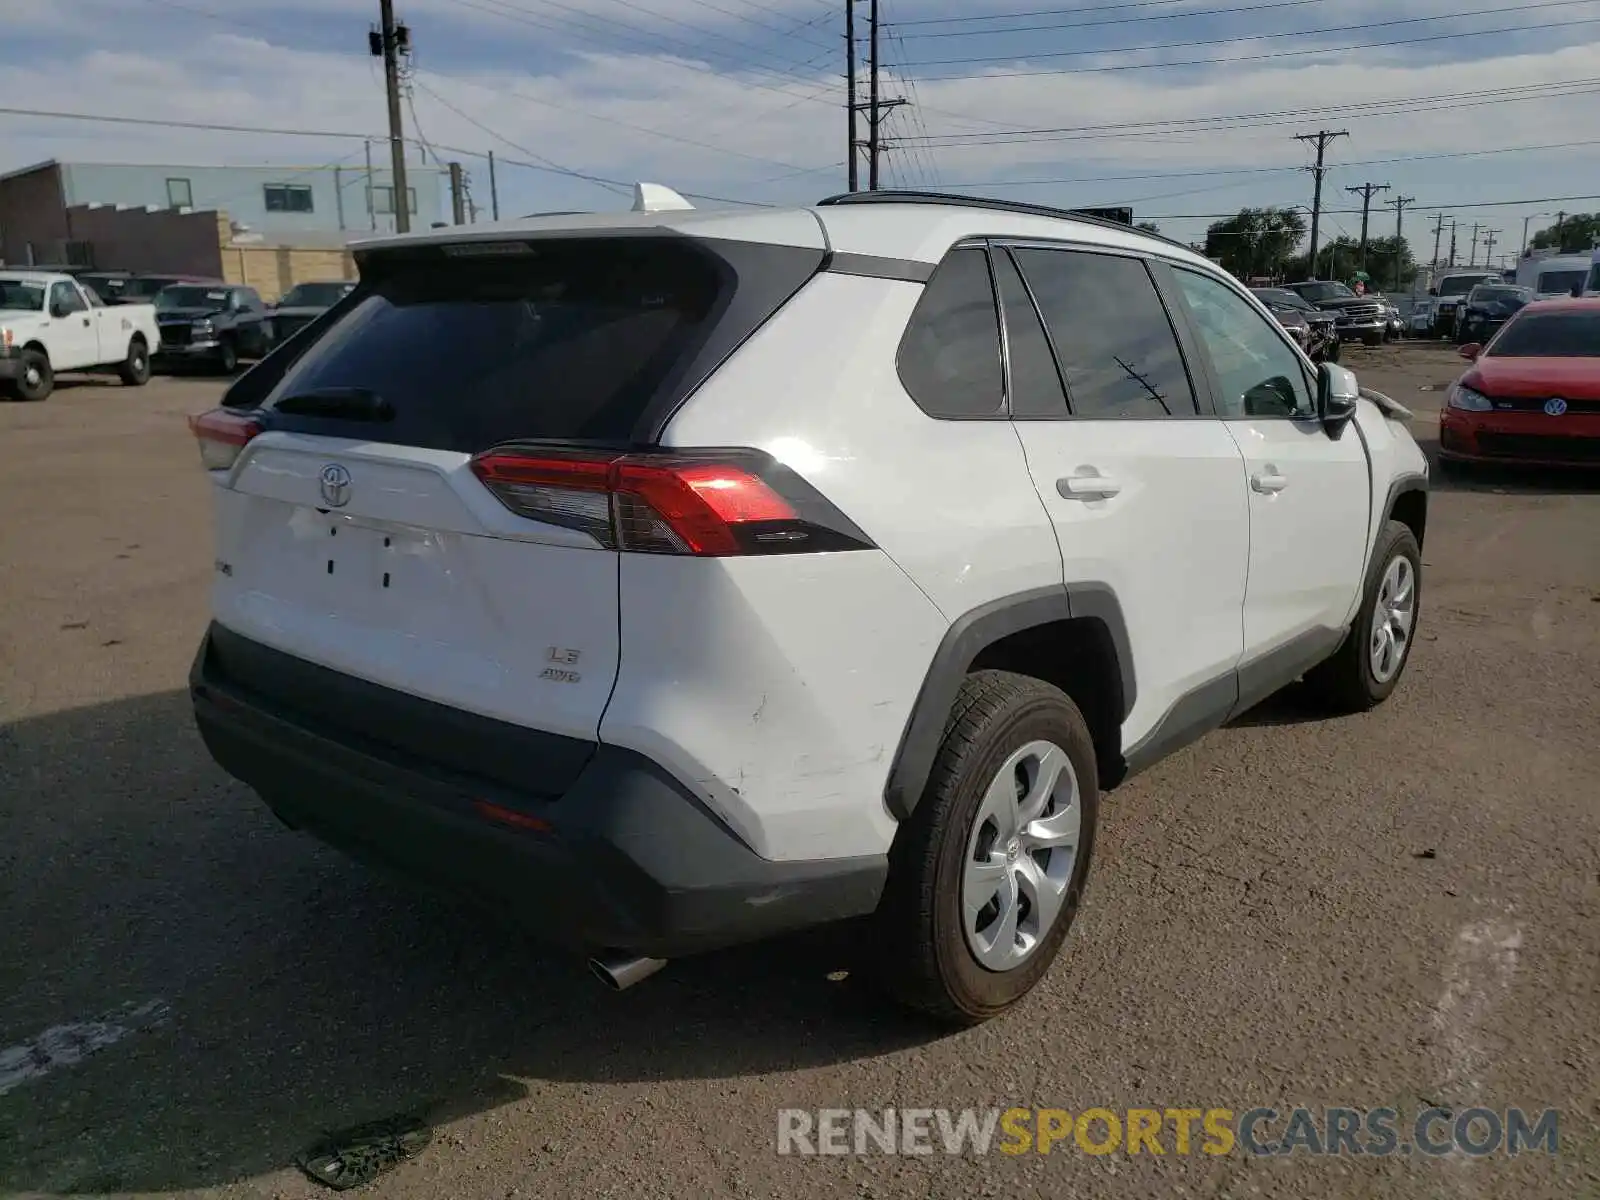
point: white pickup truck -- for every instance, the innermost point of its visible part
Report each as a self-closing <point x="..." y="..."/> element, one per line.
<point x="49" y="323"/>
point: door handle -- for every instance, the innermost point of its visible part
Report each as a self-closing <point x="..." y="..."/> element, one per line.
<point x="1087" y="485"/>
<point x="86" y="320"/>
<point x="1268" y="481"/>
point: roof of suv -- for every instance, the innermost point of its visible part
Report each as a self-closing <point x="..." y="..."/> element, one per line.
<point x="918" y="227"/>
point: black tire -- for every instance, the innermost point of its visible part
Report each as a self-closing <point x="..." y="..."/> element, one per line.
<point x="1331" y="354"/>
<point x="1346" y="682"/>
<point x="919" y="951"/>
<point x="227" y="360"/>
<point x="135" y="369"/>
<point x="35" y="380"/>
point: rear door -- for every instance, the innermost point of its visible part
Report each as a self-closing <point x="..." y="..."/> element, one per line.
<point x="353" y="530"/>
<point x="1146" y="490"/>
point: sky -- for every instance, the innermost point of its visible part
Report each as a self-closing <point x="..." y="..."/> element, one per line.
<point x="1183" y="109"/>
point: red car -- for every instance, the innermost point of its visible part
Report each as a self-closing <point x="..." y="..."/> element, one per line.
<point x="1532" y="395"/>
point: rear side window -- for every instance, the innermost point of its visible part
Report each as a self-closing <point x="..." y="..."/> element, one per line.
<point x="1111" y="334"/>
<point x="950" y="354"/>
<point x="1035" y="386"/>
<point x="569" y="342"/>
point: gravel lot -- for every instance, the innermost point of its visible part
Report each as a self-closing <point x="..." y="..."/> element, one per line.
<point x="1399" y="908"/>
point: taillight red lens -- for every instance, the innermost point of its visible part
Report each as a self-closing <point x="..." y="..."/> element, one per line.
<point x="658" y="503"/>
<point x="222" y="434"/>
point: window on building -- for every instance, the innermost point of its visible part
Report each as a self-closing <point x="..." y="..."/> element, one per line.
<point x="383" y="200"/>
<point x="288" y="197"/>
<point x="179" y="193"/>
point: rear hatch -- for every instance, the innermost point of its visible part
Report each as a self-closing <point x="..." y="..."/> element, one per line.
<point x="356" y="528"/>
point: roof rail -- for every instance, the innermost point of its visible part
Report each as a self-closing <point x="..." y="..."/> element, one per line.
<point x="886" y="196"/>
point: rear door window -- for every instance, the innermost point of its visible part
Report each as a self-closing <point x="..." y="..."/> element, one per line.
<point x="1111" y="334"/>
<point x="568" y="342"/>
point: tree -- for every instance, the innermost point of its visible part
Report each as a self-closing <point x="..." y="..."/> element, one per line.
<point x="1256" y="241"/>
<point x="1341" y="259"/>
<point x="1148" y="227"/>
<point x="1578" y="233"/>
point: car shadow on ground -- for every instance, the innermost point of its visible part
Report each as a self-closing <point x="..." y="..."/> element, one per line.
<point x="283" y="991"/>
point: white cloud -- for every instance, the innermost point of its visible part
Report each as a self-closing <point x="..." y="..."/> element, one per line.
<point x="591" y="111"/>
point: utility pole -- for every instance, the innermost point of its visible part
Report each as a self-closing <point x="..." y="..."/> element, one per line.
<point x="1438" y="230"/>
<point x="388" y="42"/>
<point x="494" y="191"/>
<point x="1452" y="242"/>
<point x="1399" y="204"/>
<point x="1322" y="137"/>
<point x="1561" y="219"/>
<point x="457" y="200"/>
<point x="372" y="209"/>
<point x="1489" y="236"/>
<point x="876" y="106"/>
<point x="1472" y="259"/>
<point x="852" y="150"/>
<point x="1365" y="191"/>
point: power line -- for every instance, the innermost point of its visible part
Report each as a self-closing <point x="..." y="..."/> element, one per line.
<point x="1228" y="41"/>
<point x="1289" y="116"/>
<point x="1177" y="16"/>
<point x="1276" y="54"/>
<point x="1123" y="4"/>
<point x="1350" y="212"/>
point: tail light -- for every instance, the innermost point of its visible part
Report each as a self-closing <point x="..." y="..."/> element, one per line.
<point x="712" y="504"/>
<point x="222" y="434"/>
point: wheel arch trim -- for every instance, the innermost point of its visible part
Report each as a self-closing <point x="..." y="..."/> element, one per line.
<point x="968" y="636"/>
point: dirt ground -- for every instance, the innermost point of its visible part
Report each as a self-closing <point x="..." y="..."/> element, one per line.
<point x="1398" y="909"/>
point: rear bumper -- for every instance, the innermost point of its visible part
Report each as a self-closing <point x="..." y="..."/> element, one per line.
<point x="625" y="858"/>
<point x="1526" y="438"/>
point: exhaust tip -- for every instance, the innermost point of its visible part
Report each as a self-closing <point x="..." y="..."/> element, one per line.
<point x="621" y="971"/>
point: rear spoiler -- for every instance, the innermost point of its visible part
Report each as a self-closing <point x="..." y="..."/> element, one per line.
<point x="1392" y="409"/>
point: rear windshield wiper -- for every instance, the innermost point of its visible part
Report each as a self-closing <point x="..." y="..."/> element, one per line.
<point x="339" y="403"/>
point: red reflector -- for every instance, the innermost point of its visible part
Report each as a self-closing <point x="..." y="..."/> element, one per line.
<point x="509" y="816"/>
<point x="222" y="434"/>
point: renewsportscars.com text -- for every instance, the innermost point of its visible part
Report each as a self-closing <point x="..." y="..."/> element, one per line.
<point x="1378" y="1132"/>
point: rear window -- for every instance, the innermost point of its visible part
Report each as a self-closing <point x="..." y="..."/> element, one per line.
<point x="570" y="341"/>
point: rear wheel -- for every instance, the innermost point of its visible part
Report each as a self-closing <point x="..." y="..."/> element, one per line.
<point x="986" y="875"/>
<point x="35" y="380"/>
<point x="1373" y="656"/>
<point x="135" y="369"/>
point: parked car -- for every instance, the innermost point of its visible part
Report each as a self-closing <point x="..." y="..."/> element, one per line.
<point x="1320" y="339"/>
<point x="1532" y="395"/>
<point x="1354" y="316"/>
<point x="303" y="304"/>
<point x="214" y="325"/>
<point x="49" y="324"/>
<point x="119" y="287"/>
<point x="1553" y="275"/>
<point x="672" y="579"/>
<point x="1447" y="294"/>
<point x="1489" y="306"/>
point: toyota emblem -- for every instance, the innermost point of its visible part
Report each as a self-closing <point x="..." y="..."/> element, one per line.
<point x="335" y="482"/>
<point x="1555" y="406"/>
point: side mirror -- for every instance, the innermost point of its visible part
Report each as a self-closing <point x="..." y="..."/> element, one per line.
<point x="1577" y="290"/>
<point x="58" y="309"/>
<point x="1433" y="291"/>
<point x="1337" y="393"/>
<point x="1471" y="351"/>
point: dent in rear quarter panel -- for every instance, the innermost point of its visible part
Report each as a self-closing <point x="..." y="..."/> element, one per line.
<point x="777" y="687"/>
<point x="951" y="502"/>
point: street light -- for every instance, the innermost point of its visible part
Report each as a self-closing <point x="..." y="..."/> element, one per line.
<point x="1523" y="252"/>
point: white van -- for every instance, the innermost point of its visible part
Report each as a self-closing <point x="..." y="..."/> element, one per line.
<point x="1553" y="275"/>
<point x="1591" y="286"/>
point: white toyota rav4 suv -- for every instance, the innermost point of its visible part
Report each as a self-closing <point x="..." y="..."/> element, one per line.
<point x="672" y="579"/>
